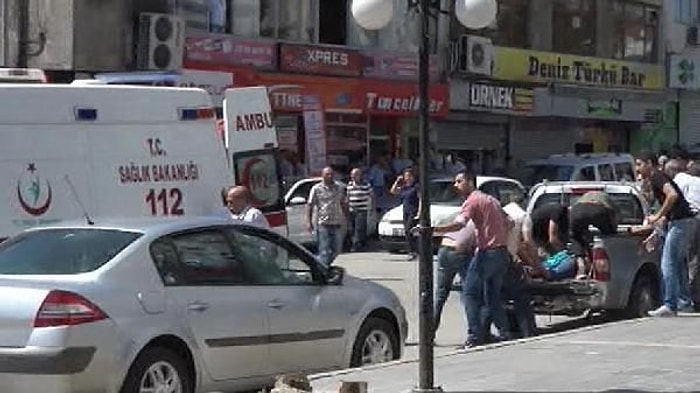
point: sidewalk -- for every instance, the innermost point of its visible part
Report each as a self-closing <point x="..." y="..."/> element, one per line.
<point x="651" y="355"/>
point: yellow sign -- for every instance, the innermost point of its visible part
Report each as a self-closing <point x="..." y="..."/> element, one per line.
<point x="532" y="66"/>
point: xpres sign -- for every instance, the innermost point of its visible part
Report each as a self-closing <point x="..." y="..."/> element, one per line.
<point x="497" y="97"/>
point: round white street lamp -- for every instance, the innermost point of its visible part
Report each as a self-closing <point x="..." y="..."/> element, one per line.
<point x="375" y="15"/>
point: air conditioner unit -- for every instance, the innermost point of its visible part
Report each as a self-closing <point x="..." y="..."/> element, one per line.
<point x="161" y="42"/>
<point x="691" y="36"/>
<point x="472" y="54"/>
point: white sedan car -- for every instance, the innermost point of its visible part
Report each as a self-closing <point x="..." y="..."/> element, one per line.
<point x="444" y="206"/>
<point x="180" y="306"/>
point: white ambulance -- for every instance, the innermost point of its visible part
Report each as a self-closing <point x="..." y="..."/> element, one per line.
<point x="246" y="127"/>
<point x="92" y="151"/>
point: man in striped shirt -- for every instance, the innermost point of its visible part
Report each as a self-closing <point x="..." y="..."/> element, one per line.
<point x="360" y="201"/>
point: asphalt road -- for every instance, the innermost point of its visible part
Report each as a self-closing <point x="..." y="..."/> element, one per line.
<point x="401" y="276"/>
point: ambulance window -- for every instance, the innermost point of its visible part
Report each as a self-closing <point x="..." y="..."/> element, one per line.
<point x="258" y="171"/>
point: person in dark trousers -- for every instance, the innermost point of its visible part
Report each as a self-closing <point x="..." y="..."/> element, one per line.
<point x="360" y="203"/>
<point x="676" y="214"/>
<point x="550" y="232"/>
<point x="406" y="188"/>
<point x="594" y="208"/>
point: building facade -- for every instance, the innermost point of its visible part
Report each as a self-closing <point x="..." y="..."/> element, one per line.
<point x="549" y="76"/>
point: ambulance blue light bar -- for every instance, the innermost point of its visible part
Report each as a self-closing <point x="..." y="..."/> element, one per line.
<point x="85" y="114"/>
<point x="197" y="113"/>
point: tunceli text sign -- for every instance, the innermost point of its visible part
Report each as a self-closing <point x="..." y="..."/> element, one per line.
<point x="544" y="67"/>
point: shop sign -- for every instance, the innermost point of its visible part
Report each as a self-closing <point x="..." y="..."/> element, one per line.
<point x="604" y="108"/>
<point x="225" y="49"/>
<point x="387" y="65"/>
<point x="684" y="72"/>
<point x="501" y="97"/>
<point x="287" y="91"/>
<point x="311" y="59"/>
<point x="401" y="99"/>
<point x="545" y="67"/>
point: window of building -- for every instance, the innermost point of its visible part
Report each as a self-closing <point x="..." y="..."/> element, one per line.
<point x="509" y="29"/>
<point x="400" y="35"/>
<point x="292" y="20"/>
<point x="683" y="11"/>
<point x="574" y="24"/>
<point x="332" y="20"/>
<point x="636" y="31"/>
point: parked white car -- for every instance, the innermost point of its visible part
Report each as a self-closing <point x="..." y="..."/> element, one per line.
<point x="444" y="206"/>
<point x="296" y="200"/>
<point x="188" y="305"/>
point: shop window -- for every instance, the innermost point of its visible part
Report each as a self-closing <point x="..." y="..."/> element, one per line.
<point x="292" y="20"/>
<point x="574" y="24"/>
<point x="636" y="32"/>
<point x="509" y="29"/>
<point x="400" y="35"/>
<point x="202" y="15"/>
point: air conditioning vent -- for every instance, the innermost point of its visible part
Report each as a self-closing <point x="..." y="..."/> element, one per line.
<point x="160" y="45"/>
<point x="472" y="54"/>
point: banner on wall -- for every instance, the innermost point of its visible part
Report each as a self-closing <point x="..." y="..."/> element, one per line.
<point x="315" y="133"/>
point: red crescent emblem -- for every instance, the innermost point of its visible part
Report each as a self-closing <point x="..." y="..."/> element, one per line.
<point x="34" y="211"/>
<point x="246" y="181"/>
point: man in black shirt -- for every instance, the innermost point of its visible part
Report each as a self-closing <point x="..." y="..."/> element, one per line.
<point x="676" y="214"/>
<point x="550" y="227"/>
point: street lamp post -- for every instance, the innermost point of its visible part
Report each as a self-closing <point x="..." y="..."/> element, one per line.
<point x="375" y="15"/>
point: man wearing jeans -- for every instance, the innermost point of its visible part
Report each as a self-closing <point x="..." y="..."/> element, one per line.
<point x="360" y="203"/>
<point x="489" y="266"/>
<point x="455" y="252"/>
<point x="679" y="218"/>
<point x="327" y="199"/>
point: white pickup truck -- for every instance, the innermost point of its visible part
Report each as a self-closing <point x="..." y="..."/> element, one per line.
<point x="625" y="278"/>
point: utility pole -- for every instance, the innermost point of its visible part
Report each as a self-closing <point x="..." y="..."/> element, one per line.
<point x="22" y="33"/>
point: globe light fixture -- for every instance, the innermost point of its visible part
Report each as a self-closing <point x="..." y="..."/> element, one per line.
<point x="372" y="14"/>
<point x="375" y="15"/>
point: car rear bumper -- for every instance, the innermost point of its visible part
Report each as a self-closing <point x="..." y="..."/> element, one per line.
<point x="52" y="361"/>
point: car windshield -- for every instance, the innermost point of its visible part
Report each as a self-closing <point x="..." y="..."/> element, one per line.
<point x="536" y="173"/>
<point x="442" y="192"/>
<point x="62" y="251"/>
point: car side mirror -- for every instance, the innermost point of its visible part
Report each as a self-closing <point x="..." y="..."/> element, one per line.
<point x="335" y="275"/>
<point x="297" y="201"/>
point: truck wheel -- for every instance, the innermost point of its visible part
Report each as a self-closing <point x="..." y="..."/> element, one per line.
<point x="644" y="297"/>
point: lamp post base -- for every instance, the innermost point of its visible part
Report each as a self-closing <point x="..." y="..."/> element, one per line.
<point x="430" y="390"/>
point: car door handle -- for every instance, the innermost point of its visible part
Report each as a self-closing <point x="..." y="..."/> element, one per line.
<point x="276" y="304"/>
<point x="198" y="306"/>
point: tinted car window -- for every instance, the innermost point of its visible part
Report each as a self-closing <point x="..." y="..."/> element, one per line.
<point x="586" y="174"/>
<point x="507" y="192"/>
<point x="606" y="172"/>
<point x="268" y="262"/>
<point x="624" y="171"/>
<point x="206" y="258"/>
<point x="537" y="173"/>
<point x="62" y="251"/>
<point x="627" y="205"/>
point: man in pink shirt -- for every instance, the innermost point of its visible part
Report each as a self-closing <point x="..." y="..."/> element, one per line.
<point x="488" y="269"/>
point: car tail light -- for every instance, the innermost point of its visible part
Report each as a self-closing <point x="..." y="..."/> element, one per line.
<point x="61" y="308"/>
<point x="601" y="264"/>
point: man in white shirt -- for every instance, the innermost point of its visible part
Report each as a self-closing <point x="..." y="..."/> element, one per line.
<point x="238" y="204"/>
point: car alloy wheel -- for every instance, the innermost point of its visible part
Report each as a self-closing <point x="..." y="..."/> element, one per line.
<point x="377" y="348"/>
<point x="161" y="377"/>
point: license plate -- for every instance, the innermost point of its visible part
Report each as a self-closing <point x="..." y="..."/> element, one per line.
<point x="397" y="232"/>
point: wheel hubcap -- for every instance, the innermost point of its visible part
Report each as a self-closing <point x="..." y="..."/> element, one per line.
<point x="161" y="377"/>
<point x="377" y="348"/>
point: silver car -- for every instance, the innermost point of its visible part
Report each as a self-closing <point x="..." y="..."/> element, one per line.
<point x="180" y="306"/>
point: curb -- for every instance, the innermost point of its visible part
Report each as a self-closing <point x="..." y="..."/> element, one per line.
<point x="331" y="374"/>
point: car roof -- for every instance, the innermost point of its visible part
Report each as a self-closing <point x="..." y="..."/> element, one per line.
<point x="573" y="159"/>
<point x="143" y="225"/>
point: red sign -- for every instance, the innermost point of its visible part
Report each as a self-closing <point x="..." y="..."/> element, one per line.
<point x="320" y="60"/>
<point x="287" y="92"/>
<point x="401" y="99"/>
<point x="224" y="49"/>
<point x="384" y="65"/>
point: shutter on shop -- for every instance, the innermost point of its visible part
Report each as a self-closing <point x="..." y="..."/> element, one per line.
<point x="469" y="136"/>
<point x="689" y="117"/>
<point x="537" y="142"/>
